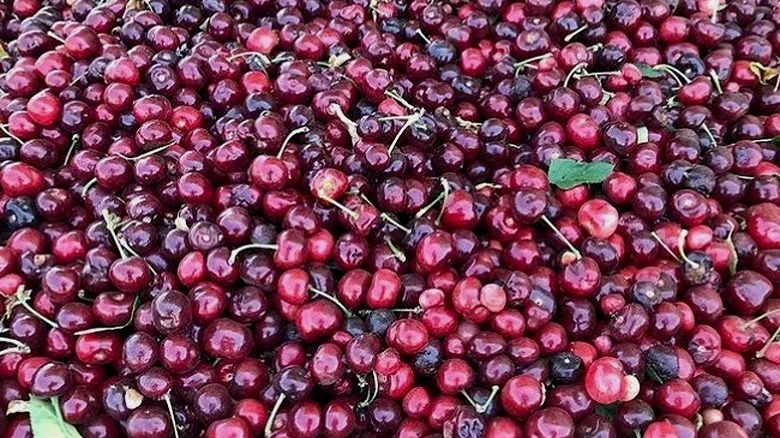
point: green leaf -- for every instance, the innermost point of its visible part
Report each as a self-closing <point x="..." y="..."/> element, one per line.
<point x="642" y="134"/>
<point x="3" y="52"/>
<point x="776" y="141"/>
<point x="733" y="256"/>
<point x="46" y="421"/>
<point x="649" y="72"/>
<point x="652" y="374"/>
<point x="607" y="411"/>
<point x="566" y="173"/>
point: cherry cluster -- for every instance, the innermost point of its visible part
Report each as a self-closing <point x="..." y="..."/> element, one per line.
<point x="375" y="218"/>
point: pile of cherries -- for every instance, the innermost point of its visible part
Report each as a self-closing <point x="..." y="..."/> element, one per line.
<point x="335" y="218"/>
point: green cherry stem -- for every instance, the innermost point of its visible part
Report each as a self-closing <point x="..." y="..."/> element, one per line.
<point x="574" y="70"/>
<point x="240" y="249"/>
<point x="22" y="296"/>
<point x="665" y="246"/>
<point x="154" y="151"/>
<point x="576" y="32"/>
<point x="716" y="81"/>
<point x="15" y="342"/>
<point x="681" y="249"/>
<point x="574" y="250"/>
<point x="332" y="299"/>
<point x="270" y="422"/>
<point x="396" y="252"/>
<point x="760" y="353"/>
<point x="351" y="126"/>
<point x="369" y="397"/>
<point x="170" y="413"/>
<point x="410" y="120"/>
<point x="388" y="218"/>
<point x="289" y="137"/>
<point x="446" y="186"/>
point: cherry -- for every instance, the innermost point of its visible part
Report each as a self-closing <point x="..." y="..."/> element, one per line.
<point x="604" y="380"/>
<point x="522" y="395"/>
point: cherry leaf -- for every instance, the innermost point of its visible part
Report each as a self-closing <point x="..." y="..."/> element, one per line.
<point x="652" y="374"/>
<point x="46" y="420"/>
<point x="607" y="411"/>
<point x="566" y="173"/>
<point x="648" y="72"/>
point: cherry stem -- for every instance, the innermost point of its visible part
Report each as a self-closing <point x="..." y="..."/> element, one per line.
<point x="747" y="324"/>
<point x="709" y="133"/>
<point x="525" y="63"/>
<point x="369" y="397"/>
<point x="411" y="119"/>
<point x="335" y="61"/>
<point x="410" y="310"/>
<point x="472" y="126"/>
<point x="487" y="185"/>
<point x="56" y="37"/>
<point x="401" y="101"/>
<point x="768" y="344"/>
<point x="366" y="200"/>
<point x="352" y="213"/>
<point x="4" y="128"/>
<point x="351" y="126"/>
<point x="110" y="329"/>
<point x="262" y="56"/>
<point x="425" y="209"/>
<point x="78" y="78"/>
<point x="168" y="403"/>
<point x="289" y="137"/>
<point x="424" y="37"/>
<point x="237" y="251"/>
<point x="481" y="408"/>
<point x="181" y="224"/>
<point x="599" y="73"/>
<point x="665" y="246"/>
<point x="15" y="342"/>
<point x="88" y="186"/>
<point x="18" y="350"/>
<point x="394" y="222"/>
<point x="333" y="299"/>
<point x="716" y="81"/>
<point x="674" y="72"/>
<point x="148" y="153"/>
<point x="22" y="298"/>
<point x="493" y="392"/>
<point x="396" y="252"/>
<point x="446" y="185"/>
<point x="272" y="416"/>
<point x="73" y="143"/>
<point x="574" y="70"/>
<point x="574" y="250"/>
<point x="576" y="32"/>
<point x="681" y="248"/>
<point x="390" y="118"/>
<point x="111" y="225"/>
